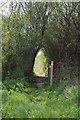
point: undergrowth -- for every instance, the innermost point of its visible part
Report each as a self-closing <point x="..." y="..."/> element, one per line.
<point x="21" y="99"/>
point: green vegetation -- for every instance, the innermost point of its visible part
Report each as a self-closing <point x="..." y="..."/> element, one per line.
<point x="32" y="26"/>
<point x="41" y="64"/>
<point x="23" y="100"/>
<point x="27" y="28"/>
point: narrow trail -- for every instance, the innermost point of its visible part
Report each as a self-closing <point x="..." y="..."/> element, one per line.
<point x="39" y="80"/>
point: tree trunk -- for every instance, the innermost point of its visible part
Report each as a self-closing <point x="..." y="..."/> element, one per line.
<point x="29" y="70"/>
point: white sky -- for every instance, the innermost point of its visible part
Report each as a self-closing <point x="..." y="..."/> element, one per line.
<point x="39" y="53"/>
<point x="39" y="1"/>
<point x="4" y="4"/>
<point x="4" y="8"/>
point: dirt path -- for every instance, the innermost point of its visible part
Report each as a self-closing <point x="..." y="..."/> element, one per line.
<point x="39" y="80"/>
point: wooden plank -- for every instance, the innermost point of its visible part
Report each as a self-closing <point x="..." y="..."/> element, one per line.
<point x="51" y="74"/>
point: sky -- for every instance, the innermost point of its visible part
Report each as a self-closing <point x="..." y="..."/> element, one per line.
<point x="39" y="53"/>
<point x="4" y="4"/>
<point x="4" y="8"/>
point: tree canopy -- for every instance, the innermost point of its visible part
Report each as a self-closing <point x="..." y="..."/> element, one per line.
<point x="31" y="26"/>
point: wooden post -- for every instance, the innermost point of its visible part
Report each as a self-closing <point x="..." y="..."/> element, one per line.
<point x="51" y="74"/>
<point x="49" y="71"/>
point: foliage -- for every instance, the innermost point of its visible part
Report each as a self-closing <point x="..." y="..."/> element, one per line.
<point x="23" y="101"/>
<point x="61" y="39"/>
<point x="32" y="26"/>
<point x="41" y="64"/>
<point x="44" y="59"/>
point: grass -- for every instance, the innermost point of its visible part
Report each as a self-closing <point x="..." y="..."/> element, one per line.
<point x="23" y="100"/>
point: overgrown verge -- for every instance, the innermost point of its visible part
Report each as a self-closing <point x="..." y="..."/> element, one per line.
<point x="24" y="100"/>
